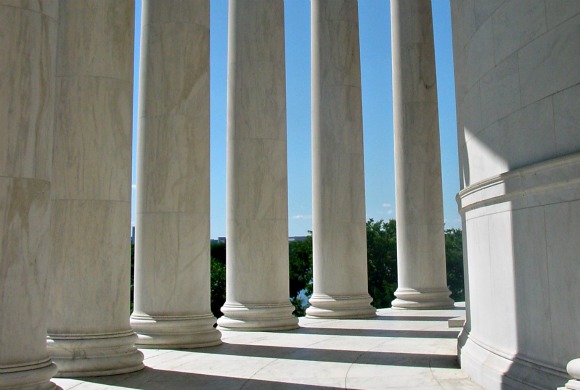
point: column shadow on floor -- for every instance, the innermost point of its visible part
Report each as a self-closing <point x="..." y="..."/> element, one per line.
<point x="336" y="356"/>
<point x="414" y="318"/>
<point x="154" y="379"/>
<point x="422" y="334"/>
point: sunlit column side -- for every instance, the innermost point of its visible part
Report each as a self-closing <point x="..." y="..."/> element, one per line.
<point x="422" y="278"/>
<point x="172" y="254"/>
<point x="338" y="186"/>
<point x="27" y="94"/>
<point x="257" y="273"/>
<point x="88" y="325"/>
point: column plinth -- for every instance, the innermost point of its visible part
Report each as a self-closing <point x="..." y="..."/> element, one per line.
<point x="573" y="368"/>
<point x="256" y="317"/>
<point x="28" y="45"/>
<point x="88" y="316"/>
<point x="421" y="269"/>
<point x="102" y="354"/>
<point x="172" y="232"/>
<point x="257" y="271"/>
<point x="338" y="193"/>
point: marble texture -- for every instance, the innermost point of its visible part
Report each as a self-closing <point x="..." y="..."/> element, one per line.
<point x="257" y="184"/>
<point x="394" y="350"/>
<point x="338" y="195"/>
<point x="88" y="322"/>
<point x="28" y="33"/>
<point x="421" y="269"/>
<point x="172" y="253"/>
<point x="520" y="197"/>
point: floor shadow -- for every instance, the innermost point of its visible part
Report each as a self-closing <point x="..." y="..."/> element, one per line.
<point x="337" y="356"/>
<point x="422" y="334"/>
<point x="154" y="379"/>
<point x="414" y="318"/>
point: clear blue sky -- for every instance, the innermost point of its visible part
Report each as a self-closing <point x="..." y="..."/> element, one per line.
<point x="375" y="43"/>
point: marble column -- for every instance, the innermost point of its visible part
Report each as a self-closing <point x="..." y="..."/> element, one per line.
<point x="573" y="369"/>
<point x="28" y="33"/>
<point x="88" y="325"/>
<point x="172" y="253"/>
<point x="338" y="186"/>
<point x="257" y="274"/>
<point x="422" y="277"/>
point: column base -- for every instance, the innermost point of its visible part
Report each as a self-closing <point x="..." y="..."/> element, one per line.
<point x="175" y="332"/>
<point x="95" y="355"/>
<point x="573" y="368"/>
<point x="325" y="306"/>
<point x="34" y="376"/>
<point x="493" y="370"/>
<point x="410" y="298"/>
<point x="256" y="317"/>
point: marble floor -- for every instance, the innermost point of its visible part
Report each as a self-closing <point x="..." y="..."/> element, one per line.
<point x="396" y="350"/>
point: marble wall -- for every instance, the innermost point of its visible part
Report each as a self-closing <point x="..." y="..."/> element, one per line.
<point x="517" y="89"/>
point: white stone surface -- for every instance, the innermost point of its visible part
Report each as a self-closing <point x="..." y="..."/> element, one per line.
<point x="395" y="350"/>
<point x="28" y="33"/>
<point x="573" y="369"/>
<point x="88" y="321"/>
<point x="338" y="196"/>
<point x="257" y="184"/>
<point x="422" y="277"/>
<point x="172" y="254"/>
<point x="519" y="156"/>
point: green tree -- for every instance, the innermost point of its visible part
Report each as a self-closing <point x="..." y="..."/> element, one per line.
<point x="300" y="264"/>
<point x="454" y="260"/>
<point x="218" y="278"/>
<point x="382" y="261"/>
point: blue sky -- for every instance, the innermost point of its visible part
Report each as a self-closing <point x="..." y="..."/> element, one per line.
<point x="375" y="43"/>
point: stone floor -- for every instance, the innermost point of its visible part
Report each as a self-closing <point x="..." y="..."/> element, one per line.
<point x="396" y="350"/>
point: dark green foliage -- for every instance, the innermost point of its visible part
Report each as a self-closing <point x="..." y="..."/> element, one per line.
<point x="300" y="253"/>
<point x="132" y="292"/>
<point x="218" y="278"/>
<point x="382" y="261"/>
<point x="454" y="258"/>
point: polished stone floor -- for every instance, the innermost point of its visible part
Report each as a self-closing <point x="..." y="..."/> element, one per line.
<point x="396" y="350"/>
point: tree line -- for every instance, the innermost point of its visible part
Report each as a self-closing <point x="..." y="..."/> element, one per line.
<point x="381" y="262"/>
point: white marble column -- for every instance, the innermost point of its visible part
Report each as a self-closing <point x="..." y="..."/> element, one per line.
<point x="422" y="277"/>
<point x="257" y="286"/>
<point x="338" y="186"/>
<point x="88" y="326"/>
<point x="573" y="369"/>
<point x="27" y="93"/>
<point x="172" y="254"/>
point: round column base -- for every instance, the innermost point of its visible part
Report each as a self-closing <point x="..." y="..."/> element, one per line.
<point x="34" y="376"/>
<point x="175" y="332"/>
<point x="491" y="368"/>
<point x="95" y="355"/>
<point x="410" y="298"/>
<point x="256" y="317"/>
<point x="325" y="306"/>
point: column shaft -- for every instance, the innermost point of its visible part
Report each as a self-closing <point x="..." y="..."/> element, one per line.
<point x="172" y="254"/>
<point x="27" y="93"/>
<point x="88" y="326"/>
<point x="338" y="187"/>
<point x="422" y="279"/>
<point x="257" y="287"/>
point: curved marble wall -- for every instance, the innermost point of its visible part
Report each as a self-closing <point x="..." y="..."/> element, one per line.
<point x="517" y="71"/>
